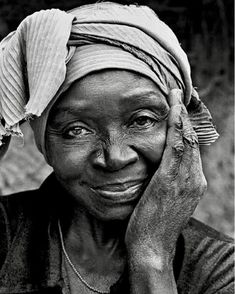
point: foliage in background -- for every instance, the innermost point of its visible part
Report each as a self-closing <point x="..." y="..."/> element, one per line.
<point x="205" y="30"/>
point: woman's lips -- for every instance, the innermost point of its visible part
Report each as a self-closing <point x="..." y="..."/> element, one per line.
<point x="126" y="191"/>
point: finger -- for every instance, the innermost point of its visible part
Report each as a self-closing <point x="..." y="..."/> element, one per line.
<point x="191" y="155"/>
<point x="175" y="125"/>
<point x="189" y="135"/>
<point x="190" y="165"/>
<point x="174" y="143"/>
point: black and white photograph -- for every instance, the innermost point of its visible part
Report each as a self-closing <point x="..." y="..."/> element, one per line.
<point x="117" y="147"/>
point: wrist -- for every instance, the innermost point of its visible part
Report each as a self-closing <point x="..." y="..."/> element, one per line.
<point x="151" y="275"/>
<point x="145" y="257"/>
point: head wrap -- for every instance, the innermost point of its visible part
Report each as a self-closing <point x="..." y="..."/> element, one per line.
<point x="51" y="49"/>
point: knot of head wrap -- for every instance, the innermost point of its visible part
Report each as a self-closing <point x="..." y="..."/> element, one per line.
<point x="51" y="49"/>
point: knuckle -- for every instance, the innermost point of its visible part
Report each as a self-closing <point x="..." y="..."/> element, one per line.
<point x="178" y="149"/>
<point x="189" y="134"/>
<point x="200" y="185"/>
<point x="190" y="138"/>
<point x="179" y="124"/>
<point x="204" y="185"/>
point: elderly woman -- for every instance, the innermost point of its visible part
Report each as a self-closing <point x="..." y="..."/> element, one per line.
<point x="107" y="91"/>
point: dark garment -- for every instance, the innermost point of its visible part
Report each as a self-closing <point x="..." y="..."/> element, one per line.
<point x="31" y="258"/>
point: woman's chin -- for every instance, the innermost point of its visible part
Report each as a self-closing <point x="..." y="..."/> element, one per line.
<point x="113" y="214"/>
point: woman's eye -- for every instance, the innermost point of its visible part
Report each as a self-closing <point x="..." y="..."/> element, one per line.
<point x="143" y="121"/>
<point x="76" y="132"/>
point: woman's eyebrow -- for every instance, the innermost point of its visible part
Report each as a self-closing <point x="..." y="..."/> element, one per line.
<point x="60" y="113"/>
<point x="148" y="95"/>
<point x="134" y="100"/>
<point x="145" y="99"/>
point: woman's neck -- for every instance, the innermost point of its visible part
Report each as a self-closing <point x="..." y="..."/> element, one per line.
<point x="94" y="244"/>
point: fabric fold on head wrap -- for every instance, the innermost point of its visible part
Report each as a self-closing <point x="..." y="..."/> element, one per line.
<point x="51" y="49"/>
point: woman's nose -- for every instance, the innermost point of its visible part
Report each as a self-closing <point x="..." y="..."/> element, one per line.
<point x="115" y="157"/>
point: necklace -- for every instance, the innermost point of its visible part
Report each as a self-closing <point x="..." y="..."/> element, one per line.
<point x="73" y="267"/>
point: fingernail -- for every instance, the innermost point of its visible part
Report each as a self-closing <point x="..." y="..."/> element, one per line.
<point x="176" y="96"/>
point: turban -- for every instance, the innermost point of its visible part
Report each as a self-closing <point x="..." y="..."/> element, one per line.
<point x="51" y="49"/>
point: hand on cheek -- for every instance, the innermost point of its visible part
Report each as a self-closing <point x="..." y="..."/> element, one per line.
<point x="173" y="192"/>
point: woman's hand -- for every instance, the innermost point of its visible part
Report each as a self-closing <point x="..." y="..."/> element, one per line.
<point x="166" y="205"/>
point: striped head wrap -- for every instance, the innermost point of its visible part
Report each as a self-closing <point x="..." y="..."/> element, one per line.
<point x="51" y="49"/>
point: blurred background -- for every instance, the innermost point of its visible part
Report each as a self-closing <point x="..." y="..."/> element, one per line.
<point x="205" y="30"/>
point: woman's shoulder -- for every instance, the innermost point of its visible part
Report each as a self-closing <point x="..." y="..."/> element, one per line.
<point x="208" y="260"/>
<point x="13" y="205"/>
<point x="196" y="231"/>
<point x="12" y="211"/>
<point x="17" y="198"/>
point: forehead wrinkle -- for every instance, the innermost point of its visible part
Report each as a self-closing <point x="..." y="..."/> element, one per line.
<point x="142" y="91"/>
<point x="148" y="93"/>
<point x="86" y="109"/>
<point x="62" y="105"/>
<point x="144" y="96"/>
<point x="136" y="97"/>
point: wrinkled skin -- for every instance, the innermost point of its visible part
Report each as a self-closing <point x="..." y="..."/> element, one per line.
<point x="166" y="205"/>
<point x="175" y="188"/>
<point x="115" y="146"/>
<point x="115" y="135"/>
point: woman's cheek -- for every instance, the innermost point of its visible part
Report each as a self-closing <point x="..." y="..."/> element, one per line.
<point x="67" y="160"/>
<point x="152" y="145"/>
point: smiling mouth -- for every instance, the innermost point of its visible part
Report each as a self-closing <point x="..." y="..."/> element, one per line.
<point x="121" y="192"/>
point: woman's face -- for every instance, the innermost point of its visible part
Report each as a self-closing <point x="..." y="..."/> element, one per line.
<point x="105" y="138"/>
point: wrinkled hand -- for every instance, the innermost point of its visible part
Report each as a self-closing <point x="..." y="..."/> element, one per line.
<point x="173" y="192"/>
